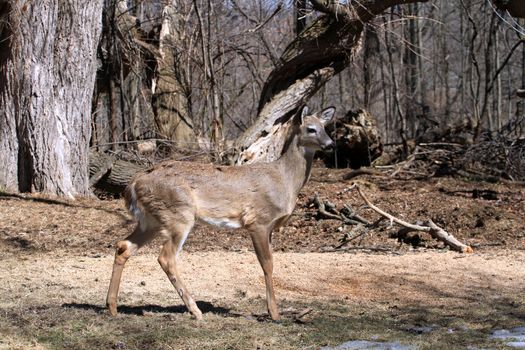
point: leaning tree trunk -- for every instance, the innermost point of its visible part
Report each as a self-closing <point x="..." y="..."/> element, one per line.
<point x="48" y="63"/>
<point x="321" y="51"/>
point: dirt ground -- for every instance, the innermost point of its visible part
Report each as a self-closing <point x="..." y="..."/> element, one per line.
<point x="56" y="260"/>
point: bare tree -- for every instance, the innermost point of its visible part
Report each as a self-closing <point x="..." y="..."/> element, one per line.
<point x="312" y="59"/>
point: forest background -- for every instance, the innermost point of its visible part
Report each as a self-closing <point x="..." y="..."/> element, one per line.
<point x="216" y="77"/>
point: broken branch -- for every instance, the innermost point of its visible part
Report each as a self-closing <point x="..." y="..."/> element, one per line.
<point x="434" y="230"/>
<point x="327" y="210"/>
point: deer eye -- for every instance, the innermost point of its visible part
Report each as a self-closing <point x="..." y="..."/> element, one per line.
<point x="311" y="130"/>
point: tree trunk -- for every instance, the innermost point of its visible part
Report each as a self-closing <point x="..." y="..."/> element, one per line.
<point x="111" y="175"/>
<point x="170" y="101"/>
<point x="371" y="56"/>
<point x="48" y="66"/>
<point x="411" y="73"/>
<point x="321" y="51"/>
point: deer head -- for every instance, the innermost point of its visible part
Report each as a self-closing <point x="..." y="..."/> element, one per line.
<point x="312" y="134"/>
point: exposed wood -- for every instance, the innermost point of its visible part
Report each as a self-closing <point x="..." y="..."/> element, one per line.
<point x="170" y="100"/>
<point x="264" y="140"/>
<point x="327" y="210"/>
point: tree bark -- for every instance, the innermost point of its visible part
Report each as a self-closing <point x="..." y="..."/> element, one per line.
<point x="48" y="66"/>
<point x="321" y="51"/>
<point x="170" y="101"/>
<point x="109" y="174"/>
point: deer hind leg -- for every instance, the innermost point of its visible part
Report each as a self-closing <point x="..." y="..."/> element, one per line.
<point x="177" y="234"/>
<point x="125" y="249"/>
<point x="261" y="243"/>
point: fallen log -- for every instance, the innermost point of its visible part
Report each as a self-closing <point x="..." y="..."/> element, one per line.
<point x="109" y="174"/>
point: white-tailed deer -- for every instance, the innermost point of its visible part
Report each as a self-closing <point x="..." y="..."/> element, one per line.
<point x="260" y="197"/>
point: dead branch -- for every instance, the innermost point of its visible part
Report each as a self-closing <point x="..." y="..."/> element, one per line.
<point x="327" y="210"/>
<point x="350" y="214"/>
<point x="321" y="209"/>
<point x="357" y="232"/>
<point x="406" y="164"/>
<point x="434" y="230"/>
<point x="359" y="248"/>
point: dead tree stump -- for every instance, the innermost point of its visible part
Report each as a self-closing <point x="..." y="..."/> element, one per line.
<point x="357" y="140"/>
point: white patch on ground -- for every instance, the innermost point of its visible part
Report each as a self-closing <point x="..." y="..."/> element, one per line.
<point x="515" y="337"/>
<point x="364" y="344"/>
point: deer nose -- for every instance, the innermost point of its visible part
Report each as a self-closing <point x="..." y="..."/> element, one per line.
<point x="328" y="146"/>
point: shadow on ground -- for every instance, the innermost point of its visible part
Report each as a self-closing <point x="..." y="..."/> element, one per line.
<point x="204" y="306"/>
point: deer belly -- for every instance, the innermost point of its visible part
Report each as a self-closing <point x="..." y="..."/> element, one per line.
<point x="222" y="222"/>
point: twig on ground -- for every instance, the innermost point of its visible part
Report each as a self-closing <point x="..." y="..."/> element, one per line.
<point x="434" y="230"/>
<point x="295" y="314"/>
<point x="347" y="211"/>
<point x="357" y="232"/>
<point x="407" y="163"/>
<point x="327" y="210"/>
<point x="322" y="209"/>
<point x="361" y="248"/>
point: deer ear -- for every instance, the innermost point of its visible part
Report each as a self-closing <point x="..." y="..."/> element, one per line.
<point x="304" y="113"/>
<point x="327" y="115"/>
<point x="299" y="117"/>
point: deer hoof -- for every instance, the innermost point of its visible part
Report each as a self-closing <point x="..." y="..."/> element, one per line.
<point x="197" y="315"/>
<point x="112" y="308"/>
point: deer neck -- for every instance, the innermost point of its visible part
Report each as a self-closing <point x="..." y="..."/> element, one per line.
<point x="296" y="164"/>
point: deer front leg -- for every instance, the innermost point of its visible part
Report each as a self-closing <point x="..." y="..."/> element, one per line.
<point x="168" y="262"/>
<point x="261" y="244"/>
